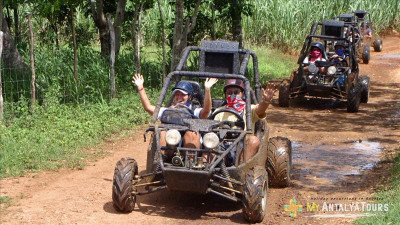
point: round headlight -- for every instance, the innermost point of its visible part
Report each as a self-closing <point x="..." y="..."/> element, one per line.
<point x="210" y="140"/>
<point x="331" y="70"/>
<point x="312" y="68"/>
<point x="173" y="137"/>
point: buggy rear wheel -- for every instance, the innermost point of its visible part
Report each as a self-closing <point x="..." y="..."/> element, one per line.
<point x="279" y="161"/>
<point x="123" y="195"/>
<point x="378" y="45"/>
<point x="354" y="98"/>
<point x="255" y="195"/>
<point x="365" y="84"/>
<point x="284" y="92"/>
<point x="366" y="54"/>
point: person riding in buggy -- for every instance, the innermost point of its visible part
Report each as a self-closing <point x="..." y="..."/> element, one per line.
<point x="367" y="29"/>
<point x="339" y="79"/>
<point x="206" y="168"/>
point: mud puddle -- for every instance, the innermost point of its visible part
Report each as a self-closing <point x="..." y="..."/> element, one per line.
<point x="329" y="165"/>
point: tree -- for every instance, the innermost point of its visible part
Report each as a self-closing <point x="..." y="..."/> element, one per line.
<point x="183" y="26"/>
<point x="99" y="9"/>
<point x="231" y="12"/>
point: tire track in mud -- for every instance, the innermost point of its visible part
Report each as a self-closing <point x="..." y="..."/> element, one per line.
<point x="333" y="155"/>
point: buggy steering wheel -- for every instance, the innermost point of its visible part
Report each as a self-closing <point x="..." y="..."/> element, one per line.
<point x="239" y="123"/>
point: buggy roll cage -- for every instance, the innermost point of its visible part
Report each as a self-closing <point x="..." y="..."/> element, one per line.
<point x="331" y="30"/>
<point x="218" y="59"/>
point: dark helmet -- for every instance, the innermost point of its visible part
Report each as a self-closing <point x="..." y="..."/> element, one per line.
<point x="185" y="87"/>
<point x="339" y="43"/>
<point x="366" y="23"/>
<point x="234" y="83"/>
<point x="318" y="45"/>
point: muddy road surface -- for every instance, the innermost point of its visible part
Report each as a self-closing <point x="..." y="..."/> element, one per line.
<point x="336" y="159"/>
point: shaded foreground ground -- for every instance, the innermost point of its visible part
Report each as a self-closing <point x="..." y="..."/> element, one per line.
<point x="334" y="153"/>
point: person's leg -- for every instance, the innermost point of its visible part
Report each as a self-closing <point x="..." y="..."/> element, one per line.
<point x="191" y="139"/>
<point x="252" y="144"/>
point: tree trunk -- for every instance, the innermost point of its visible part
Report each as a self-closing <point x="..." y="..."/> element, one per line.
<point x="1" y="51"/>
<point x="33" y="90"/>
<point x="163" y="41"/>
<point x="74" y="43"/>
<point x="213" y="36"/>
<point x="16" y="22"/>
<point x="180" y="34"/>
<point x="112" y="57"/>
<point x="101" y="24"/>
<point x="136" y="32"/>
<point x="177" y="38"/>
<point x="236" y="14"/>
<point x="12" y="58"/>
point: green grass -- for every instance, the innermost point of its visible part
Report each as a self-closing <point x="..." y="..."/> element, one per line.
<point x="54" y="135"/>
<point x="389" y="195"/>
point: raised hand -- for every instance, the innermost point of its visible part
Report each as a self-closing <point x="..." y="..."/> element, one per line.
<point x="138" y="80"/>
<point x="268" y="93"/>
<point x="210" y="82"/>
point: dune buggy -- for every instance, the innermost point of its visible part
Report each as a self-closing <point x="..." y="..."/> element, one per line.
<point x="362" y="48"/>
<point x="204" y="170"/>
<point x="339" y="80"/>
<point x="365" y="19"/>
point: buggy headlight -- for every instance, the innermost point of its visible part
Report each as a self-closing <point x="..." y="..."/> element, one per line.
<point x="173" y="137"/>
<point x="210" y="140"/>
<point x="312" y="68"/>
<point x="331" y="70"/>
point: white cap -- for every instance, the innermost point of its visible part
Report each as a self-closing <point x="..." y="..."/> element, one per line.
<point x="180" y="90"/>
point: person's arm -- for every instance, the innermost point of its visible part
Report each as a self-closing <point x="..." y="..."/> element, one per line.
<point x="207" y="98"/>
<point x="267" y="95"/>
<point x="138" y="80"/>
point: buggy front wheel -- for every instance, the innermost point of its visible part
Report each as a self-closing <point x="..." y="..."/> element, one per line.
<point x="354" y="98"/>
<point x="255" y="195"/>
<point x="123" y="195"/>
<point x="279" y="161"/>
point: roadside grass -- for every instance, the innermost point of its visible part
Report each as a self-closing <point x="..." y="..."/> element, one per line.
<point x="389" y="195"/>
<point x="54" y="135"/>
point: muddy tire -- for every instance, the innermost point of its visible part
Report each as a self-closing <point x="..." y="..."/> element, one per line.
<point x="279" y="161"/>
<point x="354" y="98"/>
<point x="366" y="54"/>
<point x="255" y="195"/>
<point x="365" y="85"/>
<point x="378" y="45"/>
<point x="284" y="92"/>
<point x="123" y="195"/>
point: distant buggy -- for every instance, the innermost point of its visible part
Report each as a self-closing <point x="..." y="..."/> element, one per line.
<point x="327" y="78"/>
<point x="205" y="170"/>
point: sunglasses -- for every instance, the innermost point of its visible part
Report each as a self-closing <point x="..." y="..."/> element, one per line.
<point x="235" y="92"/>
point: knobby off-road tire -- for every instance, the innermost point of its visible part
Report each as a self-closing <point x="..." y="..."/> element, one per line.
<point x="354" y="98"/>
<point x="122" y="191"/>
<point x="255" y="195"/>
<point x="366" y="54"/>
<point x="284" y="92"/>
<point x="365" y="85"/>
<point x="279" y="161"/>
<point x="378" y="45"/>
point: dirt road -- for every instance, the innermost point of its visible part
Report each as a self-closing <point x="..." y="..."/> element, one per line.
<point x="334" y="156"/>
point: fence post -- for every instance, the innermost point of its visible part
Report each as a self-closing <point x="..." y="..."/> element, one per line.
<point x="112" y="56"/>
<point x="33" y="90"/>
<point x="1" y="85"/>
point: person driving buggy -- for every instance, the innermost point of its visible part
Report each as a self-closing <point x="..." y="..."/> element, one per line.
<point x="367" y="31"/>
<point x="182" y="98"/>
<point x="234" y="94"/>
<point x="339" y="55"/>
<point x="317" y="53"/>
